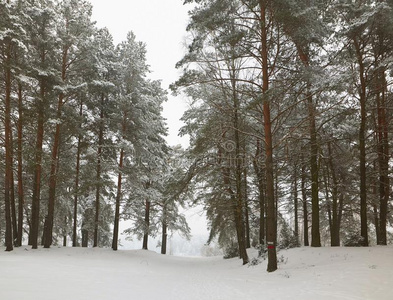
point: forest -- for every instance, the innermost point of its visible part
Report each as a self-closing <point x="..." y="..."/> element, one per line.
<point x="290" y="104"/>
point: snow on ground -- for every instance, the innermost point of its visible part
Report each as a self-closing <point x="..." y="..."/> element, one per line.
<point x="304" y="273"/>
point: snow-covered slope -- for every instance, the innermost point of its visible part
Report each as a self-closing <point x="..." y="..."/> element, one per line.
<point x="304" y="273"/>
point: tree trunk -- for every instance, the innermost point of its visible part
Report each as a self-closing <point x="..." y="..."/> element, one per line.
<point x="117" y="207"/>
<point x="77" y="171"/>
<point x="262" y="202"/>
<point x="119" y="186"/>
<point x="237" y="207"/>
<point x="261" y="192"/>
<point x="85" y="232"/>
<point x="315" y="231"/>
<point x="35" y="207"/>
<point x="271" y="221"/>
<point x="295" y="205"/>
<point x="362" y="146"/>
<point x="164" y="237"/>
<point x="376" y="222"/>
<point x="147" y="225"/>
<point x="55" y="153"/>
<point x="21" y="201"/>
<point x="335" y="213"/>
<point x="53" y="179"/>
<point x="239" y="200"/>
<point x="246" y="212"/>
<point x="383" y="156"/>
<point x="8" y="152"/>
<point x="12" y="194"/>
<point x="98" y="173"/>
<point x="304" y="200"/>
<point x="65" y="232"/>
<point x="328" y="200"/>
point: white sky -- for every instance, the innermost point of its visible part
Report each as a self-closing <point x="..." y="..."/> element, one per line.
<point x="161" y="25"/>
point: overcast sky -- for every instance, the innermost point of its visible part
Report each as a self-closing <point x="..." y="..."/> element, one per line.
<point x="161" y="25"/>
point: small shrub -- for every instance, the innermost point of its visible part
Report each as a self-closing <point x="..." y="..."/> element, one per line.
<point x="353" y="239"/>
<point x="262" y="251"/>
<point x="282" y="260"/>
<point x="231" y="251"/>
<point x="287" y="238"/>
<point x="254" y="262"/>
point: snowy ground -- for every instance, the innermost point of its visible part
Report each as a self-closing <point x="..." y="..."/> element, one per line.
<point x="304" y="273"/>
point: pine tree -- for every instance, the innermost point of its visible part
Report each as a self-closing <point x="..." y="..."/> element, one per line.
<point x="42" y="59"/>
<point x="361" y="29"/>
<point x="102" y="89"/>
<point x="74" y="29"/>
<point x="132" y="70"/>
